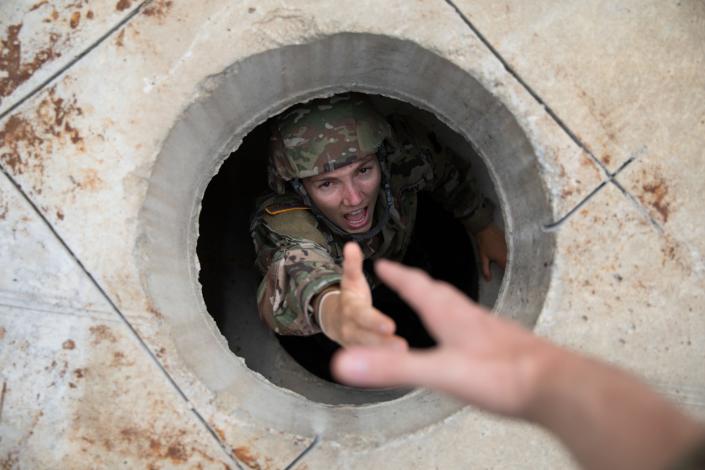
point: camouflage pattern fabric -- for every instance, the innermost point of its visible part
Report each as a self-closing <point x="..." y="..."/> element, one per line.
<point x="323" y="135"/>
<point x="299" y="257"/>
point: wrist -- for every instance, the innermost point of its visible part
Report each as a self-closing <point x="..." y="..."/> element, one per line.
<point x="327" y="301"/>
<point x="547" y="370"/>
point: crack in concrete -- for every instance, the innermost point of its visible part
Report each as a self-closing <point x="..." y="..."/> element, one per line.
<point x="610" y="176"/>
<point x="304" y="452"/>
<point x="73" y="61"/>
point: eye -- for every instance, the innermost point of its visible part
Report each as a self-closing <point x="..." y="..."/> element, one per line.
<point x="324" y="185"/>
<point x="365" y="169"/>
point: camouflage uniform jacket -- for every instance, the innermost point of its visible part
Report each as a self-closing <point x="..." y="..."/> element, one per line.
<point x="299" y="256"/>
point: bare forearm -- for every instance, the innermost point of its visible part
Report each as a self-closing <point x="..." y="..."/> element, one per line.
<point x="582" y="401"/>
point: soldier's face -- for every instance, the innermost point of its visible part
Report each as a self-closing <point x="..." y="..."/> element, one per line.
<point x="347" y="196"/>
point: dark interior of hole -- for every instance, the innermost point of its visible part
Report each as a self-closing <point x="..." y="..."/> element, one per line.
<point x="229" y="278"/>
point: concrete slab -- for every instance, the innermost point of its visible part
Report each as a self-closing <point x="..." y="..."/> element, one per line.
<point x="622" y="294"/>
<point x="469" y="439"/>
<point x="622" y="76"/>
<point x="40" y="38"/>
<point x="665" y="186"/>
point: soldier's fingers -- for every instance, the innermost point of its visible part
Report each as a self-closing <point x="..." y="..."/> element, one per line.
<point x="486" y="272"/>
<point x="353" y="278"/>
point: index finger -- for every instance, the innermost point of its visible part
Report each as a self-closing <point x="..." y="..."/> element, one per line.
<point x="353" y="278"/>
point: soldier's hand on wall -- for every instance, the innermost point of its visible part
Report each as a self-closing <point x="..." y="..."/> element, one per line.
<point x="491" y="247"/>
<point x="348" y="317"/>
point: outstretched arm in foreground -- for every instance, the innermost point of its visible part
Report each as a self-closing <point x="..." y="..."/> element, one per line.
<point x="608" y="419"/>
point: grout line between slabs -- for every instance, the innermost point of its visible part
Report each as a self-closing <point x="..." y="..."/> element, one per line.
<point x="611" y="179"/>
<point x="304" y="452"/>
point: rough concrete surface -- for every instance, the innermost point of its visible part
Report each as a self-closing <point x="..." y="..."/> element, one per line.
<point x="41" y="38"/>
<point x="92" y="372"/>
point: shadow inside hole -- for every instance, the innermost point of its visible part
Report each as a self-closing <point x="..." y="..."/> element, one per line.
<point x="230" y="279"/>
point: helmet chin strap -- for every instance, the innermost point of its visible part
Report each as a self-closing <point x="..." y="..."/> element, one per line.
<point x="382" y="153"/>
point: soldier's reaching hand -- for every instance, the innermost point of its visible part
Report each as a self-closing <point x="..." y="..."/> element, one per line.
<point x="346" y="314"/>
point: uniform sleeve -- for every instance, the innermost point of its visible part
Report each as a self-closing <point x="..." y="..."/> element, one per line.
<point x="295" y="270"/>
<point x="450" y="184"/>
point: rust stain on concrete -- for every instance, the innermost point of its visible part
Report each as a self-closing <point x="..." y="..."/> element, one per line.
<point x="27" y="141"/>
<point x="18" y="133"/>
<point x="123" y="5"/>
<point x="68" y="344"/>
<point x="120" y="39"/>
<point x="655" y="194"/>
<point x="88" y="180"/>
<point x="245" y="455"/>
<point x="75" y="19"/>
<point x="154" y="310"/>
<point x="15" y="71"/>
<point x="102" y="333"/>
<point x="159" y="8"/>
<point x="126" y="417"/>
<point x="38" y="5"/>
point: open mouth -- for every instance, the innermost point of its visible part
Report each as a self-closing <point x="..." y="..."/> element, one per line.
<point x="357" y="219"/>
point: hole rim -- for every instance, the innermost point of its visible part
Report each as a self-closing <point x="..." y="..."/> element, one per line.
<point x="306" y="416"/>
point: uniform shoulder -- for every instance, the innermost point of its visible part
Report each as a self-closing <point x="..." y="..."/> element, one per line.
<point x="289" y="217"/>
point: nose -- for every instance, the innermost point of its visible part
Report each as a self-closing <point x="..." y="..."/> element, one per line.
<point x="352" y="195"/>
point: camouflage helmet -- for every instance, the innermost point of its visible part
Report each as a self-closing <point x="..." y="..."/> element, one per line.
<point x="323" y="135"/>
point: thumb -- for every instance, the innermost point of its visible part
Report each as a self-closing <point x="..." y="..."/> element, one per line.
<point x="353" y="278"/>
<point x="486" y="273"/>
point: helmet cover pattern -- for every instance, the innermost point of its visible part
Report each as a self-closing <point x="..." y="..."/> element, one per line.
<point x="323" y="135"/>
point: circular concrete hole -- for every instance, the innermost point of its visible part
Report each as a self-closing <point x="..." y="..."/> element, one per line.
<point x="228" y="107"/>
<point x="229" y="278"/>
